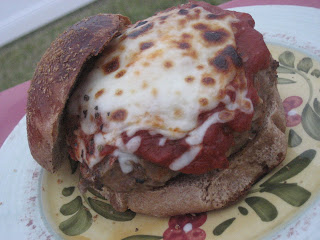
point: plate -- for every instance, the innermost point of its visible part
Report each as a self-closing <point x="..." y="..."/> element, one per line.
<point x="284" y="204"/>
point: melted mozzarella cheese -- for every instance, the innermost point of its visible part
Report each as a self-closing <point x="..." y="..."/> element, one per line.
<point x="158" y="76"/>
<point x="185" y="159"/>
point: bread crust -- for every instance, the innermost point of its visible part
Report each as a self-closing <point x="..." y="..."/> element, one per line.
<point x="218" y="189"/>
<point x="55" y="76"/>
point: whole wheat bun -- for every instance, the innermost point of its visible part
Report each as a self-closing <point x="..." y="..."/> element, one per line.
<point x="55" y="76"/>
<point x="58" y="73"/>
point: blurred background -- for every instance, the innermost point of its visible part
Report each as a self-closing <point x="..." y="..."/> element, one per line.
<point x="27" y="27"/>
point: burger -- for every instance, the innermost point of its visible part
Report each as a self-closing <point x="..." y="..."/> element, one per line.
<point x="175" y="114"/>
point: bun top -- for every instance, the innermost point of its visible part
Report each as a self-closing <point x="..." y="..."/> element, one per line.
<point x="55" y="77"/>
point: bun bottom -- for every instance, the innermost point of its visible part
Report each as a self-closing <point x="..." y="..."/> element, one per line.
<point x="218" y="189"/>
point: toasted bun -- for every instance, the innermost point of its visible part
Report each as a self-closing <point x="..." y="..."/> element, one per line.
<point x="56" y="75"/>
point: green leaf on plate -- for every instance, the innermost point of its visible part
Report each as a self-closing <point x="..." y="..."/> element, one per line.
<point x="282" y="69"/>
<point x="285" y="81"/>
<point x="243" y="211"/>
<point x="290" y="193"/>
<point x="223" y="226"/>
<point x="96" y="193"/>
<point x="108" y="212"/>
<point x="292" y="168"/>
<point x="305" y="64"/>
<point x="316" y="73"/>
<point x="294" y="139"/>
<point x="263" y="208"/>
<point x="142" y="237"/>
<point x="68" y="191"/>
<point x="73" y="165"/>
<point x="287" y="58"/>
<point x="71" y="207"/>
<point x="78" y="223"/>
<point x="316" y="106"/>
<point x="311" y="122"/>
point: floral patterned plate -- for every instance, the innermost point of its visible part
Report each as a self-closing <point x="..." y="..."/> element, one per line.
<point x="284" y="204"/>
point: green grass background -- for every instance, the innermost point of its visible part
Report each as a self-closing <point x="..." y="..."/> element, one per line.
<point x="18" y="59"/>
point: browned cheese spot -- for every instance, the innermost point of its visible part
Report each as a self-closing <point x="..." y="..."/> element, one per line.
<point x="163" y="17"/>
<point x="194" y="16"/>
<point x="144" y="85"/>
<point x="156" y="121"/>
<point x="233" y="54"/>
<point x="146" y="64"/>
<point x="119" y="92"/>
<point x="183" y="12"/>
<point x="215" y="16"/>
<point x="119" y="115"/>
<point x="121" y="73"/>
<point x="154" y="92"/>
<point x="178" y="113"/>
<point x="122" y="48"/>
<point x="175" y="129"/>
<point x="200" y="26"/>
<point x="140" y="24"/>
<point x="226" y="115"/>
<point x="200" y="67"/>
<point x="246" y="104"/>
<point x="137" y="73"/>
<point x="133" y="58"/>
<point x="155" y="54"/>
<point x="111" y="66"/>
<point x="99" y="93"/>
<point x="182" y="22"/>
<point x="221" y="94"/>
<point x="215" y="36"/>
<point x="168" y="64"/>
<point x="184" y="45"/>
<point x="191" y="53"/>
<point x="220" y="63"/>
<point x="186" y="35"/>
<point x="189" y="79"/>
<point x="145" y="45"/>
<point x="86" y="97"/>
<point x="143" y="29"/>
<point x="203" y="102"/>
<point x="208" y="81"/>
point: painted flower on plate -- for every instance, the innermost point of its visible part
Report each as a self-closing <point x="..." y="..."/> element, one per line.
<point x="186" y="227"/>
<point x="289" y="105"/>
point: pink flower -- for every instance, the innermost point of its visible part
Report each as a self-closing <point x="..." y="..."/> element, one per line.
<point x="186" y="227"/>
<point x="289" y="104"/>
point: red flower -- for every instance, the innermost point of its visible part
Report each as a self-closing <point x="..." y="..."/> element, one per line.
<point x="186" y="227"/>
<point x="289" y="104"/>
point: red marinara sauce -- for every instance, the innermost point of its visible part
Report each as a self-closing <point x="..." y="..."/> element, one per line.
<point x="254" y="56"/>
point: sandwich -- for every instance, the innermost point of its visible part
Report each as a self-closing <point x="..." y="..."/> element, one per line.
<point x="178" y="113"/>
